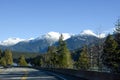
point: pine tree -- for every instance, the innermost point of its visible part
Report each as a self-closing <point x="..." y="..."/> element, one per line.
<point x="3" y="61"/>
<point x="117" y="39"/>
<point x="117" y="32"/>
<point x="8" y="57"/>
<point x="0" y="53"/>
<point x="22" y="61"/>
<point x="83" y="62"/>
<point x="117" y="26"/>
<point x="37" y="61"/>
<point x="41" y="62"/>
<point x="65" y="60"/>
<point x="52" y="57"/>
<point x="110" y="55"/>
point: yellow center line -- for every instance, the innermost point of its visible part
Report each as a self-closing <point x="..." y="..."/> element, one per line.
<point x="25" y="75"/>
<point x="1" y="70"/>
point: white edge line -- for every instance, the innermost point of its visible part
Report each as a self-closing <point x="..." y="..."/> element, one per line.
<point x="57" y="75"/>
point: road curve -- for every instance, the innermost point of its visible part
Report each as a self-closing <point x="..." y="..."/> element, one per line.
<point x="27" y="74"/>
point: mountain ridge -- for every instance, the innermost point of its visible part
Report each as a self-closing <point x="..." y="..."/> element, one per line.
<point x="40" y="44"/>
<point x="50" y="35"/>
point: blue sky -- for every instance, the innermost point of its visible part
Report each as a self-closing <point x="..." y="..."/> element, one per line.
<point x="32" y="18"/>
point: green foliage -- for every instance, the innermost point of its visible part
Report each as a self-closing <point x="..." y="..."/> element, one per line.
<point x="22" y="61"/>
<point x="16" y="54"/>
<point x="117" y="33"/>
<point x="37" y="61"/>
<point x="52" y="57"/>
<point x="3" y="61"/>
<point x="110" y="55"/>
<point x="8" y="57"/>
<point x="83" y="62"/>
<point x="117" y="26"/>
<point x="0" y="53"/>
<point x="110" y="44"/>
<point x="65" y="60"/>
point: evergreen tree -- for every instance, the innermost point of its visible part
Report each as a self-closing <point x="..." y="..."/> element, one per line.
<point x="52" y="57"/>
<point x="8" y="57"/>
<point x="65" y="60"/>
<point x="0" y="53"/>
<point x="83" y="62"/>
<point x="22" y="61"/>
<point x="110" y="57"/>
<point x="117" y="39"/>
<point x="41" y="63"/>
<point x="38" y="61"/>
<point x="117" y="32"/>
<point x="3" y="61"/>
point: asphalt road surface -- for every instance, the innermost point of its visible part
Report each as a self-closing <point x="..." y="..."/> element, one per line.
<point x="30" y="74"/>
<point x="26" y="74"/>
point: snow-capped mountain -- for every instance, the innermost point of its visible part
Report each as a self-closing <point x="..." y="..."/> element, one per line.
<point x="55" y="36"/>
<point x="90" y="32"/>
<point x="40" y="44"/>
<point x="13" y="41"/>
<point x="51" y="35"/>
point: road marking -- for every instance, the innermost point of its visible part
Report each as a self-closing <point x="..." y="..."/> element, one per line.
<point x="0" y="70"/>
<point x="57" y="76"/>
<point x="11" y="78"/>
<point x="25" y="75"/>
<point x="44" y="77"/>
<point x="16" y="78"/>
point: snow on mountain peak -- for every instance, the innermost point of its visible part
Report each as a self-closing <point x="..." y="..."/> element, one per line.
<point x="90" y="32"/>
<point x="66" y="36"/>
<point x="56" y="35"/>
<point x="51" y="35"/>
<point x="102" y="35"/>
<point x="13" y="41"/>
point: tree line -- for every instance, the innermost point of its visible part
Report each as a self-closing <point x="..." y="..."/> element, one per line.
<point x="61" y="57"/>
<point x="102" y="56"/>
<point x="56" y="57"/>
<point x="6" y="59"/>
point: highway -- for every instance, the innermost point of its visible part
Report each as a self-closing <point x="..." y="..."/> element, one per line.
<point x="30" y="74"/>
<point x="27" y="74"/>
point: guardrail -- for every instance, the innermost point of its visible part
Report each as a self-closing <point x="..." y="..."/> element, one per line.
<point x="87" y="75"/>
